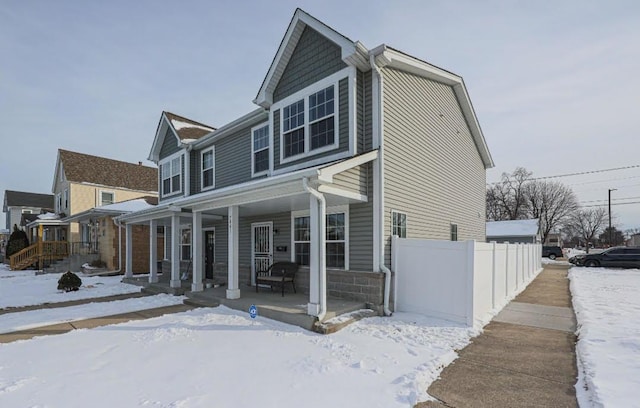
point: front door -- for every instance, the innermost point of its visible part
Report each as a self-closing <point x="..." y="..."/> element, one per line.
<point x="262" y="248"/>
<point x="209" y="248"/>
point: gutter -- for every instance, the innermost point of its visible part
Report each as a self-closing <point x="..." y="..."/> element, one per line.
<point x="383" y="267"/>
<point x="322" y="279"/>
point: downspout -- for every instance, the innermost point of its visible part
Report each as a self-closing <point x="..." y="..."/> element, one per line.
<point x="322" y="283"/>
<point x="380" y="107"/>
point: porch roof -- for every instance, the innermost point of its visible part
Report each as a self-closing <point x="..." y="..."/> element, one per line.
<point x="114" y="210"/>
<point x="283" y="192"/>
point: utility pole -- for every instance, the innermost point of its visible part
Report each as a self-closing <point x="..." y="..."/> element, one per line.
<point x="610" y="232"/>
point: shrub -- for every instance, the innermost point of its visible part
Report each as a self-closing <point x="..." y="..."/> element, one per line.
<point x="69" y="282"/>
<point x="17" y="241"/>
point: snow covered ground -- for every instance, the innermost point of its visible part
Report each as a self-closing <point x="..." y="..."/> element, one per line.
<point x="24" y="288"/>
<point x="211" y="356"/>
<point x="607" y="307"/>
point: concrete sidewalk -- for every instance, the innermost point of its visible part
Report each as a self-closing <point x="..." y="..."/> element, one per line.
<point x="524" y="358"/>
<point x="87" y="323"/>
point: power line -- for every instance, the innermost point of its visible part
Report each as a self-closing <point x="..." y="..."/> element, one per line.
<point x="587" y="172"/>
<point x="612" y="204"/>
<point x="613" y="199"/>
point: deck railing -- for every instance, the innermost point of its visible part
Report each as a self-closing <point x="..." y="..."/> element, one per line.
<point x="51" y="250"/>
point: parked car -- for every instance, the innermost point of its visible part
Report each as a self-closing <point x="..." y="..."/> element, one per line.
<point x="617" y="257"/>
<point x="552" y="252"/>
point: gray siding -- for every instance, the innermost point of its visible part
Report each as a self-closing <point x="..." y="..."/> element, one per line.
<point x="343" y="130"/>
<point x="364" y="112"/>
<point x="194" y="172"/>
<point x="281" y="222"/>
<point x="433" y="170"/>
<point x="315" y="57"/>
<point x="361" y="230"/>
<point x="233" y="158"/>
<point x="169" y="145"/>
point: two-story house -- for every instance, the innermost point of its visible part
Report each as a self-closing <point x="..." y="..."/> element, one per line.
<point x="17" y="203"/>
<point x="348" y="146"/>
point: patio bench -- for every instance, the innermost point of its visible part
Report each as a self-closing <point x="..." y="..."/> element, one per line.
<point x="278" y="274"/>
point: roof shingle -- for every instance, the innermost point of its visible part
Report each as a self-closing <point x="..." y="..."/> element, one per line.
<point x="85" y="168"/>
<point x="187" y="128"/>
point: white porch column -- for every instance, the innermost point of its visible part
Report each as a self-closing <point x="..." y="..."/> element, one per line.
<point x="233" y="291"/>
<point x="313" y="307"/>
<point x="153" y="251"/>
<point x="197" y="252"/>
<point x="128" y="267"/>
<point x="175" y="251"/>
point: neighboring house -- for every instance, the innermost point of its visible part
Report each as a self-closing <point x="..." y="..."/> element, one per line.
<point x="634" y="240"/>
<point x="514" y="231"/>
<point x="109" y="242"/>
<point x="348" y="147"/>
<point x="17" y="203"/>
<point x="82" y="182"/>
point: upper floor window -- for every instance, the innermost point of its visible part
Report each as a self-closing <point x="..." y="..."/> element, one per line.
<point x="399" y="224"/>
<point x="171" y="175"/>
<point x="106" y="197"/>
<point x="309" y="124"/>
<point x="66" y="199"/>
<point x="454" y="232"/>
<point x="26" y="211"/>
<point x="58" y="203"/>
<point x="260" y="149"/>
<point x="293" y="128"/>
<point x="208" y="171"/>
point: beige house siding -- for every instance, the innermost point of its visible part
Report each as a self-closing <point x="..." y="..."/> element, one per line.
<point x="433" y="170"/>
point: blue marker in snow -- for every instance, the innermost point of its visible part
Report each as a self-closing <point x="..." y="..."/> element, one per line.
<point x="253" y="311"/>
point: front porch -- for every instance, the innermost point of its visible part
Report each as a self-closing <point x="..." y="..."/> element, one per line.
<point x="290" y="309"/>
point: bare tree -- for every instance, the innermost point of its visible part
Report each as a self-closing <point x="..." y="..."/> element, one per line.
<point x="551" y="202"/>
<point x="588" y="222"/>
<point x="506" y="200"/>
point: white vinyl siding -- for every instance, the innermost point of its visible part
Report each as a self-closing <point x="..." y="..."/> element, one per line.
<point x="433" y="169"/>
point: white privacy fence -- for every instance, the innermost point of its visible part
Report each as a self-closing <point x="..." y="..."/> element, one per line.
<point x="465" y="282"/>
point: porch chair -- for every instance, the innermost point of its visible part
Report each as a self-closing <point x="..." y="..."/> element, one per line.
<point x="278" y="274"/>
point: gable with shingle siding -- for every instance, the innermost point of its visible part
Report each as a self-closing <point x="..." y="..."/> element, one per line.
<point x="315" y="57"/>
<point x="85" y="168"/>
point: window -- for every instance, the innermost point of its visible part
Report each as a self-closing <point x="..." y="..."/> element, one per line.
<point x="293" y="128"/>
<point x="106" y="197"/>
<point x="185" y="244"/>
<point x="58" y="203"/>
<point x="208" y="173"/>
<point x="171" y="175"/>
<point x="26" y="211"/>
<point x="321" y="122"/>
<point x="308" y="125"/>
<point x="454" y="232"/>
<point x="66" y="198"/>
<point x="399" y="224"/>
<point x="336" y="240"/>
<point x="260" y="149"/>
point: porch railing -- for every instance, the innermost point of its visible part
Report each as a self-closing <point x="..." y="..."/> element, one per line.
<point x="83" y="248"/>
<point x="52" y="250"/>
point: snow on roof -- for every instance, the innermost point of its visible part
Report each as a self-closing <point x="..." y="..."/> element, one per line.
<point x="48" y="216"/>
<point x="178" y="124"/>
<point x="127" y="206"/>
<point x="512" y="228"/>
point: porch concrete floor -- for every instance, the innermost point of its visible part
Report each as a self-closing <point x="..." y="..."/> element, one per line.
<point x="290" y="308"/>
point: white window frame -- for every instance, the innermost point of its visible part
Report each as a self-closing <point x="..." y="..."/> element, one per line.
<point x="58" y="203"/>
<point x="113" y="195"/>
<point x="253" y="151"/>
<point x="26" y="211"/>
<point x="211" y="150"/>
<point x="394" y="226"/>
<point x="169" y="161"/>
<point x="330" y="210"/>
<point x="304" y="95"/>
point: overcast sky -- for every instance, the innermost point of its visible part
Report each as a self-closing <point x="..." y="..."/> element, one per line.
<point x="555" y="85"/>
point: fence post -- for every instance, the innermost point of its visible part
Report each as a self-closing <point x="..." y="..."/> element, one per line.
<point x="470" y="249"/>
<point x="493" y="275"/>
<point x="506" y="270"/>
